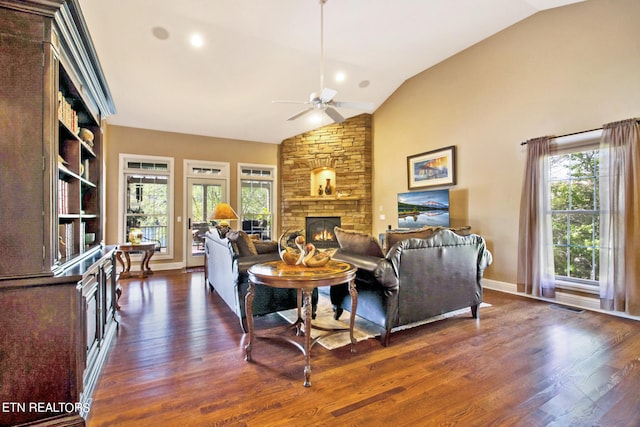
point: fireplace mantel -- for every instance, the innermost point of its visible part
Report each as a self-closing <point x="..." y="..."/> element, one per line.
<point x="322" y="198"/>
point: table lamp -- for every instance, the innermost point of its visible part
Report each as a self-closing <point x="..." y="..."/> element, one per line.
<point x="221" y="214"/>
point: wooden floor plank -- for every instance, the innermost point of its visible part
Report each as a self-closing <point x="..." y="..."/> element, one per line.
<point x="178" y="359"/>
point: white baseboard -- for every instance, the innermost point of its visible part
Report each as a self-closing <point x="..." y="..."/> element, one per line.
<point x="135" y="266"/>
<point x="571" y="300"/>
<point x="167" y="266"/>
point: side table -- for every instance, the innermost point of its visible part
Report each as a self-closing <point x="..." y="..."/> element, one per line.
<point x="277" y="274"/>
<point x="147" y="249"/>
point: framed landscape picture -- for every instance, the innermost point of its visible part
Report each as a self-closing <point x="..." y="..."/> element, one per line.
<point x="418" y="209"/>
<point x="433" y="168"/>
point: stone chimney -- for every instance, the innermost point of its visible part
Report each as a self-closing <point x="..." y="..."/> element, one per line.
<point x="340" y="153"/>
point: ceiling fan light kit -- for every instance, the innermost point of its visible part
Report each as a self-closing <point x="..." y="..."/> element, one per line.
<point x="323" y="100"/>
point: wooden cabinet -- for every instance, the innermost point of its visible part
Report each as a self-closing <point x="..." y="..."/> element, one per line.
<point x="56" y="276"/>
<point x="98" y="288"/>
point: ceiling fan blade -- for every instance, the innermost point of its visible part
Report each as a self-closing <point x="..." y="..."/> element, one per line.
<point x="301" y="113"/>
<point x="327" y="95"/>
<point x="335" y="116"/>
<point x="353" y="105"/>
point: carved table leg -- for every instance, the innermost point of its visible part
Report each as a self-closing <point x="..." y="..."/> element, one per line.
<point x="306" y="297"/>
<point x="127" y="269"/>
<point x="118" y="295"/>
<point x="249" y="312"/>
<point x="124" y="273"/>
<point x="299" y="321"/>
<point x="354" y="305"/>
<point x="145" y="262"/>
<point x="145" y="255"/>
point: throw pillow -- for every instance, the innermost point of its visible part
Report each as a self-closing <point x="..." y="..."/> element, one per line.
<point x="358" y="243"/>
<point x="243" y="242"/>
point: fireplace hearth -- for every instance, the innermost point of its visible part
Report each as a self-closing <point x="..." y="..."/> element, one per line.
<point x="319" y="231"/>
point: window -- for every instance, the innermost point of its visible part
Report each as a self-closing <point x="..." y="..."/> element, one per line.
<point x="257" y="199"/>
<point x="147" y="184"/>
<point x="575" y="215"/>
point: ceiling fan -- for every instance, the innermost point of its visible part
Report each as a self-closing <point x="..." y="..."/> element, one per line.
<point x="323" y="100"/>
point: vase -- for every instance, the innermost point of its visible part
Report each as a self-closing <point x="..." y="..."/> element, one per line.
<point x="320" y="190"/>
<point x="135" y="236"/>
<point x="327" y="188"/>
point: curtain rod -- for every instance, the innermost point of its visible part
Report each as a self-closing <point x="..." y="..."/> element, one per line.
<point x="574" y="133"/>
<point x="569" y="134"/>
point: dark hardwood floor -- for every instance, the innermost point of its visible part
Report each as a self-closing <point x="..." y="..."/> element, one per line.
<point x="178" y="360"/>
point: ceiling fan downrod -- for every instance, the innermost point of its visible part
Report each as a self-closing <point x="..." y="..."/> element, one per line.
<point x="322" y="2"/>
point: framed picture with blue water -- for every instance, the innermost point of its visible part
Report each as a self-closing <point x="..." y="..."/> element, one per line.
<point x="419" y="209"/>
<point x="432" y="169"/>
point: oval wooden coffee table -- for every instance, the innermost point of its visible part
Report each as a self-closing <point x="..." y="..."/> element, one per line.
<point x="277" y="274"/>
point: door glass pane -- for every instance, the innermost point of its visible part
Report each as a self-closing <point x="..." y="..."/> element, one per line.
<point x="204" y="198"/>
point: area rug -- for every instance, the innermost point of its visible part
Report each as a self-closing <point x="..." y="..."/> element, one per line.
<point x="362" y="330"/>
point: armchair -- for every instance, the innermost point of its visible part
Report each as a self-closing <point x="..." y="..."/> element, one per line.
<point x="416" y="280"/>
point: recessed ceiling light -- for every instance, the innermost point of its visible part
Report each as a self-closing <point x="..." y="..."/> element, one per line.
<point x="364" y="83"/>
<point x="196" y="40"/>
<point x="160" y="33"/>
<point x="340" y="76"/>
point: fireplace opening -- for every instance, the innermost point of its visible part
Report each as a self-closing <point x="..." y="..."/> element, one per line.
<point x="319" y="231"/>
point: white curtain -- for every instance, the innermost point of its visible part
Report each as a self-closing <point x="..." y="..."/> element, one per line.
<point x="535" y="246"/>
<point x="620" y="217"/>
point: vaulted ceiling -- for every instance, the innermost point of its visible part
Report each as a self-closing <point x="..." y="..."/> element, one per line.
<point x="256" y="51"/>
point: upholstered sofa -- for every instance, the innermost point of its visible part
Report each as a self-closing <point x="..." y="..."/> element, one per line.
<point x="228" y="260"/>
<point x="417" y="279"/>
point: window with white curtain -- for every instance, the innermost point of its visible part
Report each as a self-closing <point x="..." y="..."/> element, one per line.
<point x="147" y="185"/>
<point x="257" y="199"/>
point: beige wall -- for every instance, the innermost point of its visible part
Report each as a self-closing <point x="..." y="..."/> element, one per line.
<point x="180" y="147"/>
<point x="560" y="71"/>
<point x="563" y="70"/>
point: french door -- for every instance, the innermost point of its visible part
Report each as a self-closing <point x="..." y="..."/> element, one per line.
<point x="203" y="194"/>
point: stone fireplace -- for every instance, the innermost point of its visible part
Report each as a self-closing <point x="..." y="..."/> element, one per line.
<point x="341" y="152"/>
<point x="319" y="231"/>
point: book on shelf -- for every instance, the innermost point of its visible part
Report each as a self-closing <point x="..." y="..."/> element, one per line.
<point x="66" y="114"/>
<point x="82" y="234"/>
<point x="63" y="197"/>
<point x="62" y="244"/>
<point x="65" y="240"/>
<point x="69" y="230"/>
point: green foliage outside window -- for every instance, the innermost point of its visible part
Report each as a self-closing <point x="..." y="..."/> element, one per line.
<point x="575" y="214"/>
<point x="256" y="202"/>
<point x="147" y="207"/>
<point x="204" y="199"/>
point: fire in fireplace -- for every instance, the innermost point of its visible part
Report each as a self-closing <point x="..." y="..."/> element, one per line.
<point x="319" y="231"/>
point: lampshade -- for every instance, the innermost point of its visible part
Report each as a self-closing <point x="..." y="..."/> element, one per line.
<point x="223" y="211"/>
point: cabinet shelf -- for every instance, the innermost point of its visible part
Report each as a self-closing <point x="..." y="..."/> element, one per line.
<point x="87" y="183"/>
<point x="86" y="149"/>
<point x="66" y="133"/>
<point x="64" y="171"/>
